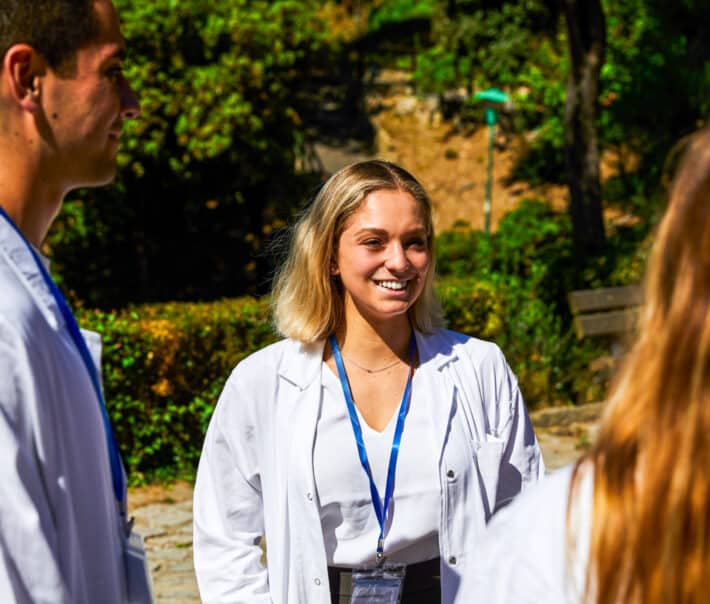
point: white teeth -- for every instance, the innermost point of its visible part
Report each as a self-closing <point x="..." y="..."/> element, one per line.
<point x="393" y="284"/>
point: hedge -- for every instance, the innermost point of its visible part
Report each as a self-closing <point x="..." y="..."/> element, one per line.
<point x="164" y="365"/>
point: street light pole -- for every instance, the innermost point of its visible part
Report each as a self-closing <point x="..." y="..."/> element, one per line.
<point x="491" y="121"/>
<point x="491" y="97"/>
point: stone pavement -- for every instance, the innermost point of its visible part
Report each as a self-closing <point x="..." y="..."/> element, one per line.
<point x="164" y="514"/>
<point x="164" y="518"/>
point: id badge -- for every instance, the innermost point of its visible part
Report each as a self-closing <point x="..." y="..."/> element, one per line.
<point x="139" y="586"/>
<point x="380" y="585"/>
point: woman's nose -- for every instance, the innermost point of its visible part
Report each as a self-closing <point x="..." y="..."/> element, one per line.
<point x="397" y="259"/>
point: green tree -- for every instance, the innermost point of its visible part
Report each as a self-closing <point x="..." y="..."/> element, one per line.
<point x="208" y="170"/>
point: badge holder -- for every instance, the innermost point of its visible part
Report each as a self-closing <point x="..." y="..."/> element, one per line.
<point x="379" y="585"/>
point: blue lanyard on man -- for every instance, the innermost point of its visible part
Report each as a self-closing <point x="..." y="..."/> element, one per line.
<point x="117" y="472"/>
<point x="381" y="508"/>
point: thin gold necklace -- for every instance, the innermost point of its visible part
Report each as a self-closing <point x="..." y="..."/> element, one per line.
<point x="380" y="370"/>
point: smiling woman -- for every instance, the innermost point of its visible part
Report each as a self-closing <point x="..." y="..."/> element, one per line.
<point x="371" y="446"/>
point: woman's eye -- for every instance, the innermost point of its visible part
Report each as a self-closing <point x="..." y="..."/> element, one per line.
<point x="417" y="242"/>
<point x="371" y="242"/>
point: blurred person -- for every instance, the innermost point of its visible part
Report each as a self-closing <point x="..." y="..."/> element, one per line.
<point x="630" y="522"/>
<point x="309" y="433"/>
<point x="64" y="537"/>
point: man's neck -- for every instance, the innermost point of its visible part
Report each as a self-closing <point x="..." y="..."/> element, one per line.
<point x="29" y="201"/>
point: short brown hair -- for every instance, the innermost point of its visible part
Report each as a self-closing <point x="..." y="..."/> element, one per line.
<point x="54" y="28"/>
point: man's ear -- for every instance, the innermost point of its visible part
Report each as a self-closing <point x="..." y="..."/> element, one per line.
<point x="22" y="70"/>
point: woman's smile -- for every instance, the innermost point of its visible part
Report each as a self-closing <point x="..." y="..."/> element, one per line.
<point x="392" y="285"/>
<point x="384" y="243"/>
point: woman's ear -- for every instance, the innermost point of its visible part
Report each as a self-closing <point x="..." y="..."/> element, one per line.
<point x="334" y="270"/>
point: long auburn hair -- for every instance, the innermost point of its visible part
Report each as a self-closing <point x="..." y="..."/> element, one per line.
<point x="650" y="535"/>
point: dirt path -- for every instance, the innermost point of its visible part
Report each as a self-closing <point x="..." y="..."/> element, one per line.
<point x="164" y="514"/>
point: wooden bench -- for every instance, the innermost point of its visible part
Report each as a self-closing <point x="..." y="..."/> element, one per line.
<point x="606" y="311"/>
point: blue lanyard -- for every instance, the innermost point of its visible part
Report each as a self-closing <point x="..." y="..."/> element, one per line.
<point x="119" y="485"/>
<point x="381" y="508"/>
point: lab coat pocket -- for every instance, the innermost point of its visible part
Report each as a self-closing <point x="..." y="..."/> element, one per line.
<point x="488" y="459"/>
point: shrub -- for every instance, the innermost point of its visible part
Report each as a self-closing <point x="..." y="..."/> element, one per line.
<point x="164" y="366"/>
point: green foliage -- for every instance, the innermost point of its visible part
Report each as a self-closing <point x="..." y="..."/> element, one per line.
<point x="532" y="246"/>
<point x="479" y="44"/>
<point x="527" y="267"/>
<point x="163" y="368"/>
<point x="207" y="171"/>
<point x="392" y="12"/>
<point x="165" y="364"/>
<point x="655" y="83"/>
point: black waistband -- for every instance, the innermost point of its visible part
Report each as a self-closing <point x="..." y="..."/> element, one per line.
<point x="422" y="583"/>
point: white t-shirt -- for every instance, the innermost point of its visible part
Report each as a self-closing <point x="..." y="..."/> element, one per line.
<point x="525" y="557"/>
<point x="348" y="519"/>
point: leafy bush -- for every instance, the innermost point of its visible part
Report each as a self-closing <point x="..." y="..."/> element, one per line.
<point x="529" y="266"/>
<point x="163" y="368"/>
<point x="533" y="246"/>
<point x="165" y="364"/>
<point x="207" y="171"/>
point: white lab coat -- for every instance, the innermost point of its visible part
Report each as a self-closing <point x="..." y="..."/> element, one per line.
<point x="256" y="471"/>
<point x="60" y="540"/>
<point x="529" y="555"/>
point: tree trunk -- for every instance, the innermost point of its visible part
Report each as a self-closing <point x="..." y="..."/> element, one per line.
<point x="586" y="31"/>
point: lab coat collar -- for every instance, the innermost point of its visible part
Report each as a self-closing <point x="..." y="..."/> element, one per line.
<point x="302" y="362"/>
<point x="435" y="349"/>
<point x="17" y="254"/>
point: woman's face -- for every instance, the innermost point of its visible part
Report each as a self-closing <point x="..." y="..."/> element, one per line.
<point x="383" y="256"/>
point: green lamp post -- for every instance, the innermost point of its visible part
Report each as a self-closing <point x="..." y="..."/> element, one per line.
<point x="491" y="97"/>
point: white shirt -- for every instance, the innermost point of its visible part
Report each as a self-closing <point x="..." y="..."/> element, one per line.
<point x="348" y="520"/>
<point x="525" y="557"/>
<point x="59" y="521"/>
<point x="256" y="474"/>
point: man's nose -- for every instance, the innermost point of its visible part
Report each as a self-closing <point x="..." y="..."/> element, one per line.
<point x="130" y="105"/>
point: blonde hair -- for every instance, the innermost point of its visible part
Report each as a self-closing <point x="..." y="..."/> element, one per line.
<point x="307" y="303"/>
<point x="650" y="540"/>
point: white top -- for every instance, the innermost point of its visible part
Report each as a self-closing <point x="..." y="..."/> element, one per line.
<point x="525" y="557"/>
<point x="348" y="520"/>
<point x="59" y="522"/>
<point x="256" y="475"/>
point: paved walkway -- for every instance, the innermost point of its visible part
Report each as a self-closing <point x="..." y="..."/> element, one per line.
<point x="164" y="518"/>
<point x="164" y="514"/>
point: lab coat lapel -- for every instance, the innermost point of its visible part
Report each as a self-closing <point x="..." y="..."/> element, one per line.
<point x="25" y="267"/>
<point x="302" y="368"/>
<point x="434" y="356"/>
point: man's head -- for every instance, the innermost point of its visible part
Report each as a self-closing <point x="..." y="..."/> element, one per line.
<point x="62" y="82"/>
<point x="54" y="28"/>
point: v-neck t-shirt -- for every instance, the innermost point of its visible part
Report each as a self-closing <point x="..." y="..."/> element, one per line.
<point x="348" y="520"/>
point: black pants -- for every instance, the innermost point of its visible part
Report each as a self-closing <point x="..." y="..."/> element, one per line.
<point x="422" y="584"/>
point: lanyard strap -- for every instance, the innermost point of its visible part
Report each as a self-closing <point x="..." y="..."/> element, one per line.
<point x="119" y="486"/>
<point x="381" y="508"/>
